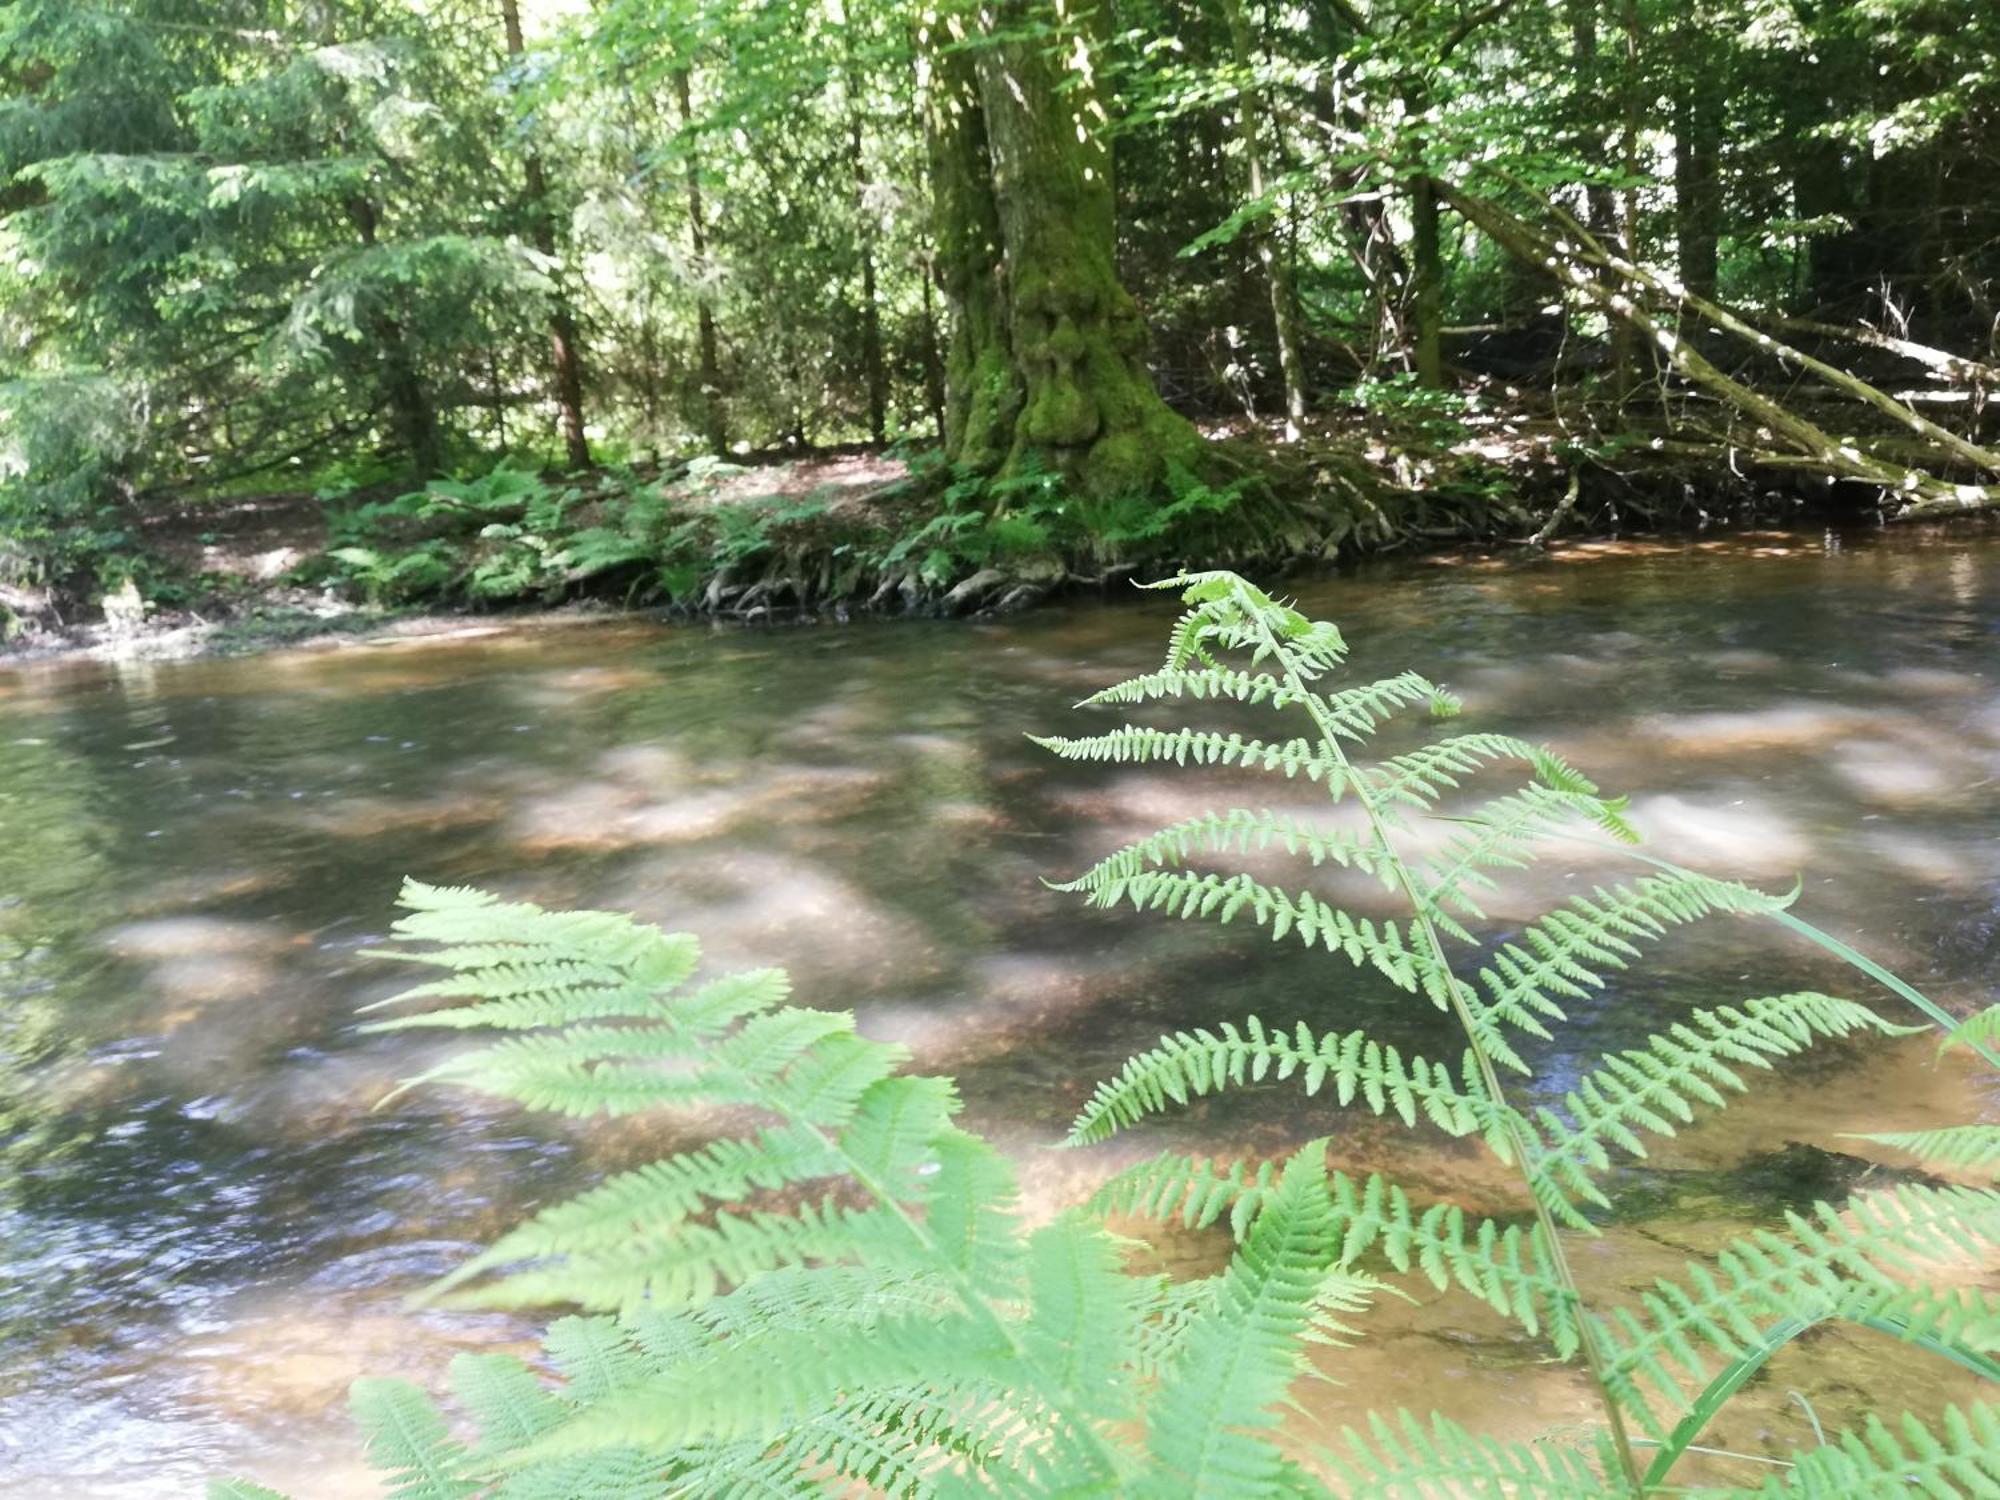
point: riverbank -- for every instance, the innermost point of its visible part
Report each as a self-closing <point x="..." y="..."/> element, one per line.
<point x="833" y="535"/>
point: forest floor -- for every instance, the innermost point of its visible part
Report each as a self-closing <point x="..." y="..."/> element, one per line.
<point x="233" y="566"/>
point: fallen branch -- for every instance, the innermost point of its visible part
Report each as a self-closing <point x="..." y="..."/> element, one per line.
<point x="1580" y="264"/>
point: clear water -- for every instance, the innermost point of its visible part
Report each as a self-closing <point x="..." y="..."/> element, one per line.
<point x="207" y="1228"/>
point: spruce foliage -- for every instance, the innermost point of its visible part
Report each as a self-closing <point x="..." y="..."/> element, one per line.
<point x="837" y="1293"/>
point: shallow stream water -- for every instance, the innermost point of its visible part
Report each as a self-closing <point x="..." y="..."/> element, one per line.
<point x="207" y="1228"/>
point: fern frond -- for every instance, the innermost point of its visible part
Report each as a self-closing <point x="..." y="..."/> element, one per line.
<point x="239" y="1489"/>
<point x="505" y="1399"/>
<point x="1981" y="1029"/>
<point x="1963" y="1458"/>
<point x="1238" y="1358"/>
<point x="1969" y="1148"/>
<point x="1200" y="683"/>
<point x="693" y="1262"/>
<point x="1503" y="833"/>
<point x="1650" y="1088"/>
<point x="654" y="1198"/>
<point x="1187" y="1065"/>
<point x="1204" y="747"/>
<point x="1356" y="712"/>
<point x="595" y="1356"/>
<point x="1423" y="776"/>
<point x="1383" y="946"/>
<point x="1407" y="1459"/>
<point x="1084" y="1315"/>
<point x="1567" y="954"/>
<point x="1509" y="1267"/>
<point x="407" y="1441"/>
<point x="1237" y="829"/>
<point x="1512" y="1268"/>
<point x="1195" y="1191"/>
<point x="756" y="1386"/>
<point x="1832" y="1265"/>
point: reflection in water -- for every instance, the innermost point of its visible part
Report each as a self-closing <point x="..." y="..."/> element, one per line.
<point x="206" y="1229"/>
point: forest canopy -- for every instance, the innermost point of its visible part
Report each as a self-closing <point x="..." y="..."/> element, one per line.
<point x="270" y="243"/>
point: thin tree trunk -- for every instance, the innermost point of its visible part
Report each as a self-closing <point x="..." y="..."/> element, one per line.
<point x="1698" y="100"/>
<point x="565" y="354"/>
<point x="934" y="397"/>
<point x="1427" y="281"/>
<point x="410" y="409"/>
<point x="874" y="368"/>
<point x="1277" y="273"/>
<point x="714" y="432"/>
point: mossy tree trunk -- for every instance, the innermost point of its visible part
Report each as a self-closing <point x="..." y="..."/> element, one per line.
<point x="1046" y="369"/>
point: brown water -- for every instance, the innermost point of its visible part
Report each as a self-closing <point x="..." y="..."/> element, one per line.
<point x="206" y="1228"/>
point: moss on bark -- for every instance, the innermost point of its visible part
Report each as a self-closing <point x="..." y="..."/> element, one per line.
<point x="1046" y="371"/>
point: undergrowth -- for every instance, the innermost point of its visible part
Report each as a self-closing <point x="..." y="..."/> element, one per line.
<point x="508" y="535"/>
<point x="838" y="1293"/>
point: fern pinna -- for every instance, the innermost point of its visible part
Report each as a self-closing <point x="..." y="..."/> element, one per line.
<point x="835" y="1294"/>
<point x="1662" y="1368"/>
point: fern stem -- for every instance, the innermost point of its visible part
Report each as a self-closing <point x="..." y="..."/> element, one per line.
<point x="1740" y="1370"/>
<point x="1489" y="1076"/>
<point x="1854" y="958"/>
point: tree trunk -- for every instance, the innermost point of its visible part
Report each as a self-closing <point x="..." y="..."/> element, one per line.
<point x="709" y="369"/>
<point x="933" y="358"/>
<point x="1427" y="281"/>
<point x="1698" y="101"/>
<point x="874" y="369"/>
<point x="1277" y="274"/>
<point x="410" y="409"/>
<point x="565" y="355"/>
<point x="1046" y="371"/>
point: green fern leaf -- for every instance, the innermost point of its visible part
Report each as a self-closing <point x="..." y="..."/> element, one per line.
<point x="1832" y="1265"/>
<point x="408" y="1443"/>
<point x="1190" y="1064"/>
<point x="1134" y="743"/>
<point x="1970" y="1148"/>
<point x="1238" y="1358"/>
<point x="1237" y="829"/>
<point x="1408" y="1459"/>
<point x="1881" y="1462"/>
<point x="1975" y="1031"/>
<point x="505" y="1399"/>
<point x="1196" y="1192"/>
<point x="1651" y="1088"/>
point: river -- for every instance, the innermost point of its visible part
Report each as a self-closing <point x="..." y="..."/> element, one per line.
<point x="207" y="1227"/>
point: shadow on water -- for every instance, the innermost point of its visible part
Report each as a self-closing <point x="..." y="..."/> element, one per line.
<point x="207" y="1228"/>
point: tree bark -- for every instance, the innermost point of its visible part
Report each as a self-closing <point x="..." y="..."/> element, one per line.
<point x="1277" y="274"/>
<point x="565" y="354"/>
<point x="715" y="432"/>
<point x="1427" y="281"/>
<point x="1698" y="102"/>
<point x="874" y="370"/>
<point x="1046" y="371"/>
